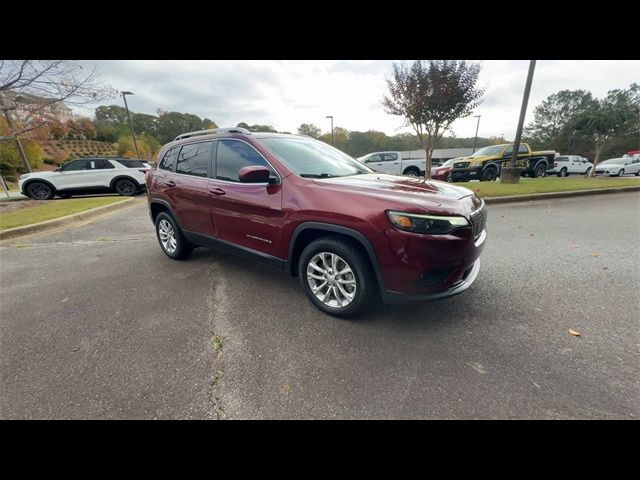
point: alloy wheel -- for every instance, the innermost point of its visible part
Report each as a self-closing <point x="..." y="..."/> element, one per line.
<point x="331" y="279"/>
<point x="167" y="236"/>
<point x="39" y="191"/>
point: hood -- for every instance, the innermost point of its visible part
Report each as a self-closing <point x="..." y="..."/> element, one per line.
<point x="407" y="191"/>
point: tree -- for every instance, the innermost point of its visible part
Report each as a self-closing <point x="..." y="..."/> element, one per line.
<point x="614" y="116"/>
<point x="32" y="93"/>
<point x="548" y="130"/>
<point x="431" y="96"/>
<point x="340" y="138"/>
<point x="310" y="130"/>
<point x="111" y="113"/>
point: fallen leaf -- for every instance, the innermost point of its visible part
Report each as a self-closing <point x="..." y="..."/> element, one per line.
<point x="574" y="333"/>
<point x="605" y="268"/>
<point x="519" y="226"/>
<point x="593" y="254"/>
<point x="531" y="234"/>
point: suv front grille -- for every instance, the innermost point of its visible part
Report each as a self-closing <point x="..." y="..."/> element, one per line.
<point x="478" y="221"/>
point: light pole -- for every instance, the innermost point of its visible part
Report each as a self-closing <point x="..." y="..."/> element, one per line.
<point x="511" y="174"/>
<point x="135" y="143"/>
<point x="331" y="117"/>
<point x="476" y="137"/>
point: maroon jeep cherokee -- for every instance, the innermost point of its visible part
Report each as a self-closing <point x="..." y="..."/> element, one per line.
<point x="306" y="208"/>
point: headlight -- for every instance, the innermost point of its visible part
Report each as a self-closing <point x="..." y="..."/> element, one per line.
<point x="432" y="224"/>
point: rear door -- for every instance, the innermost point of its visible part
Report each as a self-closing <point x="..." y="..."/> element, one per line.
<point x="104" y="172"/>
<point x="247" y="215"/>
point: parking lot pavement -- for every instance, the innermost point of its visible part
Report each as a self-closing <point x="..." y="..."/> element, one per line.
<point x="97" y="323"/>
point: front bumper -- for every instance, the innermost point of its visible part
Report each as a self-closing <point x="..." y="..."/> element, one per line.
<point x="460" y="286"/>
<point x="464" y="174"/>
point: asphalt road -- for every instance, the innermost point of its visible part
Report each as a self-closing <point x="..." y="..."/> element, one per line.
<point x="96" y="322"/>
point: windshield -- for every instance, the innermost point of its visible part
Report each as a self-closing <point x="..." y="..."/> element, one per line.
<point x="614" y="160"/>
<point x="312" y="158"/>
<point x="492" y="150"/>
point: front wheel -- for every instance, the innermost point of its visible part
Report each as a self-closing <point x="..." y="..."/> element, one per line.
<point x="40" y="191"/>
<point x="171" y="238"/>
<point x="489" y="174"/>
<point x="621" y="172"/>
<point x="540" y="171"/>
<point x="563" y="172"/>
<point x="336" y="276"/>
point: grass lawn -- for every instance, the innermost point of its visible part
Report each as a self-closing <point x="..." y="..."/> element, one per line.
<point x="546" y="185"/>
<point x="51" y="209"/>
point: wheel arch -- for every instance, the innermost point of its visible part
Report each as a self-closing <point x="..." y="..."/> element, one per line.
<point x="29" y="181"/>
<point x="156" y="206"/>
<point x="307" y="232"/>
<point x="123" y="176"/>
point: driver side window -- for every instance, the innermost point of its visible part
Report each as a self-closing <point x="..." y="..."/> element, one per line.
<point x="374" y="159"/>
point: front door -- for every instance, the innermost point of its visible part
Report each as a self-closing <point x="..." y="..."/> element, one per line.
<point x="247" y="215"/>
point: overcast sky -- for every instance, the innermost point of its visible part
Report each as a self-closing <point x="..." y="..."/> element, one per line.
<point x="287" y="93"/>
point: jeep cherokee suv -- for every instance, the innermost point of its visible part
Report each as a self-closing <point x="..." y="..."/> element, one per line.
<point x="304" y="207"/>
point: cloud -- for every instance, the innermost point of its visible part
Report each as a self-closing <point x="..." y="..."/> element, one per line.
<point x="288" y="93"/>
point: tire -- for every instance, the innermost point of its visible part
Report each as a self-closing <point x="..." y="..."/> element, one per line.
<point x="125" y="187"/>
<point x="167" y="230"/>
<point x="588" y="171"/>
<point x="621" y="173"/>
<point x="321" y="253"/>
<point x="489" y="174"/>
<point x="449" y="179"/>
<point x="637" y="174"/>
<point x="563" y="172"/>
<point x="40" y="191"/>
<point x="412" y="172"/>
<point x="540" y="171"/>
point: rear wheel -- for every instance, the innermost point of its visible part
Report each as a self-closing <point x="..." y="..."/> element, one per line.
<point x="621" y="172"/>
<point x="563" y="172"/>
<point x="337" y="277"/>
<point x="412" y="172"/>
<point x="125" y="187"/>
<point x="170" y="237"/>
<point x="40" y="191"/>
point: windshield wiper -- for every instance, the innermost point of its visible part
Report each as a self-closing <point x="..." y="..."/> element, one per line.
<point x="318" y="175"/>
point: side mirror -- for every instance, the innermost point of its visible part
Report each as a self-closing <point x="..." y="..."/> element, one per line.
<point x="254" y="174"/>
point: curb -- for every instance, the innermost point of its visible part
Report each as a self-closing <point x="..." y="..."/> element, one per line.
<point x="546" y="196"/>
<point x="66" y="220"/>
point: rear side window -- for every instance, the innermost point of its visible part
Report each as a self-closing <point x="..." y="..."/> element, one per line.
<point x="131" y="163"/>
<point x="103" y="164"/>
<point x="169" y="160"/>
<point x="232" y="156"/>
<point x="194" y="159"/>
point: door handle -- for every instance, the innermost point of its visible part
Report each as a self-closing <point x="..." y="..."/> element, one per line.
<point x="395" y="163"/>
<point x="169" y="183"/>
<point x="216" y="191"/>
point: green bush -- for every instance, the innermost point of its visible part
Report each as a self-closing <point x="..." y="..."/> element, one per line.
<point x="10" y="178"/>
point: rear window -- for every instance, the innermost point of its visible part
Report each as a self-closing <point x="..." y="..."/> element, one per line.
<point x="131" y="163"/>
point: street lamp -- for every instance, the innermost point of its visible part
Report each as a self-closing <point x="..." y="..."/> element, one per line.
<point x="476" y="137"/>
<point x="331" y="117"/>
<point x="135" y="143"/>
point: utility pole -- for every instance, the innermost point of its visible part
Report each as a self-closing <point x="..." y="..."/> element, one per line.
<point x="511" y="174"/>
<point x="23" y="156"/>
<point x="331" y="117"/>
<point x="476" y="137"/>
<point x="135" y="143"/>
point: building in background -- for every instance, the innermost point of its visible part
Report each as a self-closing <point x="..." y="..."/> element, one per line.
<point x="28" y="106"/>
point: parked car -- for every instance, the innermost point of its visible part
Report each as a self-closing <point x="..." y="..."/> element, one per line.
<point x="632" y="154"/>
<point x="485" y="164"/>
<point x="565" y="165"/>
<point x="352" y="235"/>
<point x="394" y="164"/>
<point x="87" y="175"/>
<point x="619" y="167"/>
<point x="443" y="172"/>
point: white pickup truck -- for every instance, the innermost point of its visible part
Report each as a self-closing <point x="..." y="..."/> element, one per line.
<point x="393" y="163"/>
<point x="564" y="165"/>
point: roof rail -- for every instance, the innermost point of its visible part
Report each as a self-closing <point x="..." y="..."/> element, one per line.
<point x="213" y="130"/>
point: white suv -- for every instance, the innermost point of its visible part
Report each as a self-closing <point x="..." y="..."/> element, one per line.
<point x="87" y="175"/>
